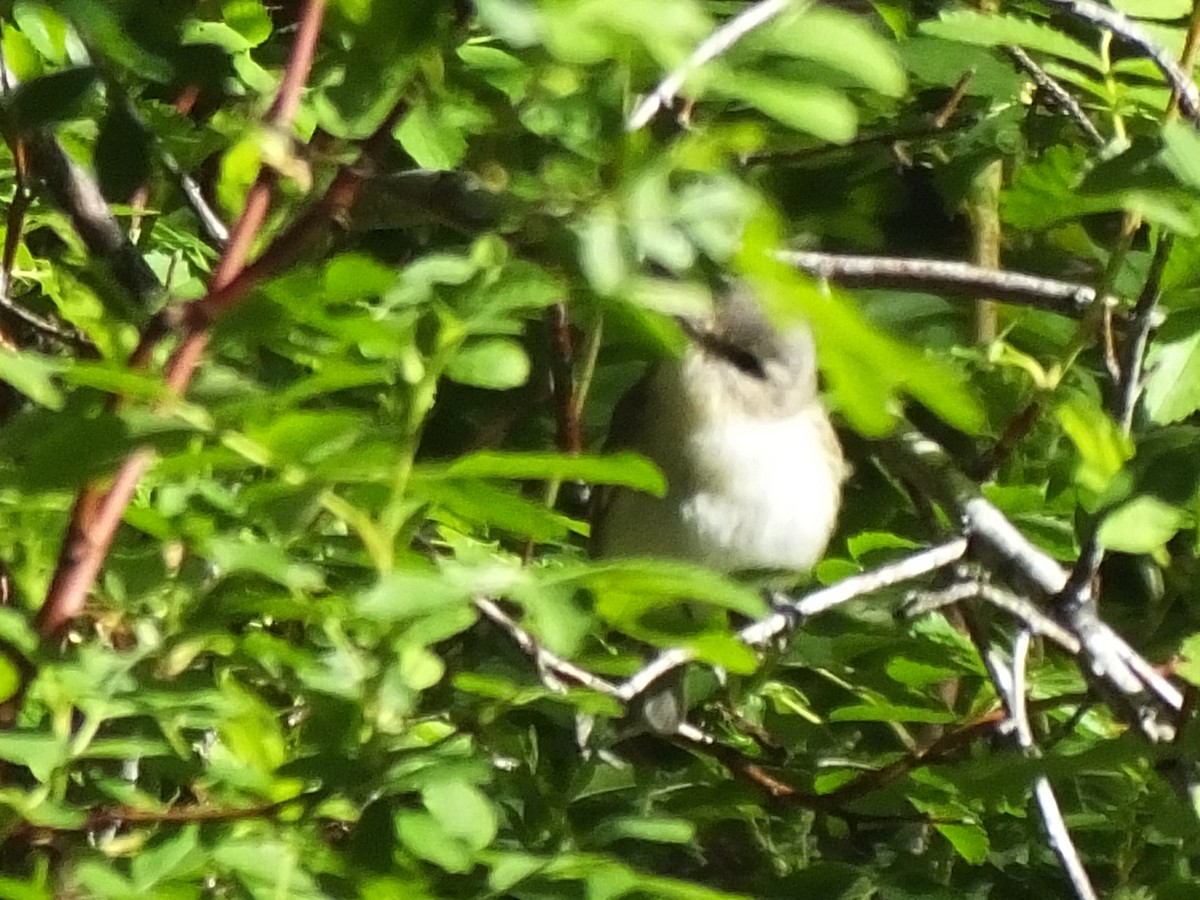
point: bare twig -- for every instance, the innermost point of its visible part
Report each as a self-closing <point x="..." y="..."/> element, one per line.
<point x="1134" y="34"/>
<point x="709" y="49"/>
<point x="1031" y="617"/>
<point x="1061" y="95"/>
<point x="1187" y="58"/>
<point x="1010" y="684"/>
<point x="1145" y="316"/>
<point x="562" y="379"/>
<point x="949" y="277"/>
<point x="1079" y="590"/>
<point x="549" y="664"/>
<point x="790" y="613"/>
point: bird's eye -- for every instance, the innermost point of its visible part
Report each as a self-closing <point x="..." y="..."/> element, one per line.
<point x="744" y="361"/>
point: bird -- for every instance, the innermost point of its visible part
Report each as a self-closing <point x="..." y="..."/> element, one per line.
<point x="753" y="465"/>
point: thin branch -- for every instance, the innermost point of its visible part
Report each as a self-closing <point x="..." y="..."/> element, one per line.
<point x="1061" y="95"/>
<point x="1027" y="612"/>
<point x="1134" y="34"/>
<point x="1187" y="58"/>
<point x="548" y="663"/>
<point x="569" y="433"/>
<point x="1145" y="315"/>
<point x="1079" y="590"/>
<point x="791" y="613"/>
<point x="949" y="277"/>
<point x="1010" y="684"/>
<point x="709" y="49"/>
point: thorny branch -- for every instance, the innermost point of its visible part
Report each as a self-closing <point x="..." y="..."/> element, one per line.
<point x="97" y="513"/>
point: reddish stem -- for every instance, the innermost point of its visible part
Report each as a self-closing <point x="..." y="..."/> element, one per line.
<point x="97" y="513"/>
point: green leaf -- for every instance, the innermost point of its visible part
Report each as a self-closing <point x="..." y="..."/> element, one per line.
<point x="249" y="18"/>
<point x="426" y="838"/>
<point x="39" y="752"/>
<point x="1103" y="449"/>
<point x="626" y="469"/>
<point x="410" y="594"/>
<point x="234" y="555"/>
<point x="811" y="108"/>
<point x="46" y="30"/>
<point x="10" y="678"/>
<point x="165" y="858"/>
<point x="430" y="140"/>
<point x="865" y="367"/>
<point x="32" y="375"/>
<point x="1181" y="152"/>
<point x="989" y="30"/>
<point x="356" y="276"/>
<point x="841" y="41"/>
<point x="1141" y="525"/>
<point x="659" y="829"/>
<point x="495" y="363"/>
<point x="239" y="170"/>
<point x="1173" y="362"/>
<point x="1189" y="667"/>
<point x="462" y="811"/>
<point x="969" y="841"/>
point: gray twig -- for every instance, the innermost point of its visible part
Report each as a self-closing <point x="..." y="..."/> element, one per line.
<point x="1078" y="592"/>
<point x="709" y="49"/>
<point x="1010" y="684"/>
<point x="1026" y="611"/>
<point x="949" y="277"/>
<point x="1134" y="34"/>
<point x="550" y="664"/>
<point x="790" y="613"/>
<point x="1138" y="338"/>
<point x="1061" y="95"/>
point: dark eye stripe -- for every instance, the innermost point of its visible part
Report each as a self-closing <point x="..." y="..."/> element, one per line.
<point x="741" y="359"/>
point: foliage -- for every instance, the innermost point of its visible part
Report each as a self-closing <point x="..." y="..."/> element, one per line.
<point x="282" y="686"/>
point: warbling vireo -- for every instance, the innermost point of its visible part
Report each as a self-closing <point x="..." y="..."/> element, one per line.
<point x="753" y="466"/>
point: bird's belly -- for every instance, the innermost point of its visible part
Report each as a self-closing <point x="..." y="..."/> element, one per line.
<point x="765" y="495"/>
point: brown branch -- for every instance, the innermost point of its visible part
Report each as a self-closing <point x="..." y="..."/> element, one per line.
<point x="103" y="818"/>
<point x="569" y="433"/>
<point x="97" y="513"/>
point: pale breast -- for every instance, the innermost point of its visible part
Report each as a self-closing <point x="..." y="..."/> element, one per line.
<point x="767" y="492"/>
<point x="745" y="492"/>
